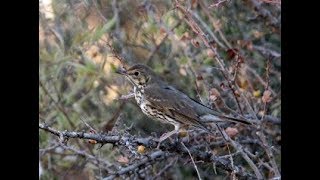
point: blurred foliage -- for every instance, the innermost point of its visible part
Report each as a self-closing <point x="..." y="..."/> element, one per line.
<point x="77" y="79"/>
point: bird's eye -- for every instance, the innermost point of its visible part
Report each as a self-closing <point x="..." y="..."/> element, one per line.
<point x="136" y="73"/>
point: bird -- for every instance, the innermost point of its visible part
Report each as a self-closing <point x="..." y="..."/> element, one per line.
<point x="161" y="101"/>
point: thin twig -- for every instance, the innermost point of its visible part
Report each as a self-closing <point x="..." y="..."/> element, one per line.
<point x="58" y="106"/>
<point x="208" y="30"/>
<point x="247" y="158"/>
<point x="83" y="118"/>
<point x="152" y="157"/>
<point x="232" y="164"/>
<point x="115" y="54"/>
<point x="260" y="132"/>
<point x="194" y="164"/>
<point x="166" y="168"/>
<point x="196" y="29"/>
<point x="259" y="78"/>
<point x="239" y="149"/>
<point x="257" y="5"/>
<point x="157" y="46"/>
<point x="218" y="4"/>
<point x="98" y="11"/>
<point x="104" y="162"/>
<point x="213" y="21"/>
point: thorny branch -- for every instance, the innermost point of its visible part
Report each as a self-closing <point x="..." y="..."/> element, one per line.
<point x="261" y="134"/>
<point x="196" y="29"/>
<point x="194" y="164"/>
<point x="125" y="139"/>
<point x="152" y="157"/>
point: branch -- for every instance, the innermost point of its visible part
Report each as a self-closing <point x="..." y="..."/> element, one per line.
<point x="157" y="46"/>
<point x="100" y="138"/>
<point x="265" y="13"/>
<point x="176" y="147"/>
<point x="196" y="29"/>
<point x="155" y="155"/>
<point x="245" y="156"/>
<point x="194" y="164"/>
<point x="166" y="168"/>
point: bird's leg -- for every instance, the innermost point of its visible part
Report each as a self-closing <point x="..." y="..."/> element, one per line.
<point x="165" y="136"/>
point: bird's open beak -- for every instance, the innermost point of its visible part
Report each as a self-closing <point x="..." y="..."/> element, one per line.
<point x="121" y="71"/>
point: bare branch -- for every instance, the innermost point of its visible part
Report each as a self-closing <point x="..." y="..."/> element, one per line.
<point x="100" y="138"/>
<point x="124" y="140"/>
<point x="154" y="156"/>
<point x="194" y="164"/>
<point x="166" y="168"/>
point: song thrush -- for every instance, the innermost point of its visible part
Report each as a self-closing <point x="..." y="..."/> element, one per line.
<point x="160" y="101"/>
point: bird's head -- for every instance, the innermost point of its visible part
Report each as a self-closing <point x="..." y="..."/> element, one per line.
<point x="139" y="75"/>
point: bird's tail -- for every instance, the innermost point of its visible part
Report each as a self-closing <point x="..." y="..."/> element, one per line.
<point x="222" y="118"/>
<point x="236" y="120"/>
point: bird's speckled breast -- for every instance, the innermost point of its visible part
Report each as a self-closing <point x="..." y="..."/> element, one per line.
<point x="147" y="109"/>
<point x="139" y="95"/>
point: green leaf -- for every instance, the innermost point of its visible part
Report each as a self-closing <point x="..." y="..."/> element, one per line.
<point x="183" y="60"/>
<point x="81" y="37"/>
<point x="113" y="67"/>
<point x="104" y="29"/>
<point x="208" y="61"/>
<point x="180" y="30"/>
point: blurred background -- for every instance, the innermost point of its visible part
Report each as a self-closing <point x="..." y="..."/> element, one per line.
<point x="79" y="41"/>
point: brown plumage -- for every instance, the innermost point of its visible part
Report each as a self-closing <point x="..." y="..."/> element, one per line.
<point x="159" y="100"/>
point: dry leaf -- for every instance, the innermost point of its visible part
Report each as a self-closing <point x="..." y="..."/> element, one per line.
<point x="183" y="133"/>
<point x="256" y="93"/>
<point x="123" y="160"/>
<point x="243" y="83"/>
<point x="232" y="132"/>
<point x="240" y="59"/>
<point x="214" y="94"/>
<point x="213" y="44"/>
<point x="194" y="3"/>
<point x="231" y="53"/>
<point x="223" y="87"/>
<point x="266" y="96"/>
<point x="217" y="25"/>
<point x="142" y="9"/>
<point x="182" y="71"/>
<point x="210" y="53"/>
<point x="95" y="84"/>
<point x="199" y="78"/>
<point x="162" y="31"/>
<point x="250" y="45"/>
<point x="91" y="141"/>
<point x="185" y="37"/>
<point x="257" y="34"/>
<point x="261" y="113"/>
<point x="195" y="43"/>
<point x="237" y="93"/>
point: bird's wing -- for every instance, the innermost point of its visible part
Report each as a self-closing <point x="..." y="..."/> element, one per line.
<point x="174" y="104"/>
<point x="176" y="101"/>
